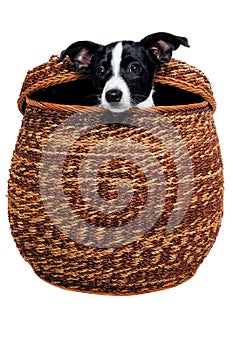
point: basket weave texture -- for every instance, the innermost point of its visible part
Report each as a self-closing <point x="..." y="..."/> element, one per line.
<point x="97" y="250"/>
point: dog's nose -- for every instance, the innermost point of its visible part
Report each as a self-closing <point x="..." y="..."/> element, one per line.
<point x="113" y="95"/>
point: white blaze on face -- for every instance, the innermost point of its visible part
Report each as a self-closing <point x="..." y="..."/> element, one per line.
<point x="116" y="59"/>
<point x="118" y="83"/>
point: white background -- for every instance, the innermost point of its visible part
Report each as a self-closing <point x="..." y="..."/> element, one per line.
<point x="194" y="315"/>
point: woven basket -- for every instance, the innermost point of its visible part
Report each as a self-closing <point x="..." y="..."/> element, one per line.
<point x="121" y="203"/>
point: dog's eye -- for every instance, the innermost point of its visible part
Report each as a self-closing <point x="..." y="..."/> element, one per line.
<point x="100" y="72"/>
<point x="134" y="68"/>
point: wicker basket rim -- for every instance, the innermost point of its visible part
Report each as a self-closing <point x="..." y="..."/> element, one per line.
<point x="79" y="108"/>
<point x="53" y="73"/>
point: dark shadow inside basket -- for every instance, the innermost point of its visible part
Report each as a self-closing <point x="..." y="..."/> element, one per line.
<point x="82" y="92"/>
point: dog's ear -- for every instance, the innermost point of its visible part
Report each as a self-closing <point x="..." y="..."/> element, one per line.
<point x="81" y="54"/>
<point x="160" y="45"/>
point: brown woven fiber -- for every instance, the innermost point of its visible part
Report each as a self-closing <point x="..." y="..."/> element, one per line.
<point x="110" y="203"/>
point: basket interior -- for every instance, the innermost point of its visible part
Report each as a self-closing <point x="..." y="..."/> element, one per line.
<point x="82" y="92"/>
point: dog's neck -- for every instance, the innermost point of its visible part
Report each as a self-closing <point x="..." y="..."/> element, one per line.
<point x="149" y="102"/>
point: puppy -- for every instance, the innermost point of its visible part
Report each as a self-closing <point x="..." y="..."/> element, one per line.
<point x="123" y="72"/>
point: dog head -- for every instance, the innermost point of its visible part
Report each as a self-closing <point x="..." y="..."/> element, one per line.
<point x="123" y="72"/>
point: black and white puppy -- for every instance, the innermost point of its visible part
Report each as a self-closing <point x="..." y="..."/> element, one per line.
<point x="123" y="71"/>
